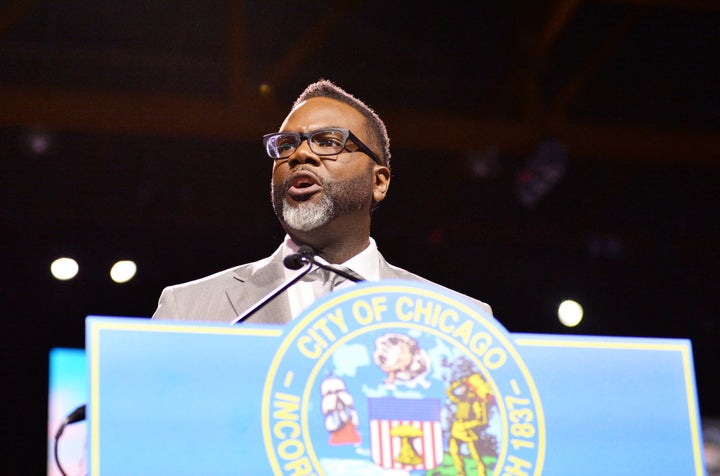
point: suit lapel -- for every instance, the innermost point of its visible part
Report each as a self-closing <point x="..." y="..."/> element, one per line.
<point x="254" y="283"/>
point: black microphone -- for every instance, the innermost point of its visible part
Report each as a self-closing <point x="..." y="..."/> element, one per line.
<point x="297" y="260"/>
<point x="76" y="415"/>
<point x="293" y="261"/>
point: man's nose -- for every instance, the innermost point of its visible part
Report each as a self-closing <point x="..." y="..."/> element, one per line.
<point x="303" y="154"/>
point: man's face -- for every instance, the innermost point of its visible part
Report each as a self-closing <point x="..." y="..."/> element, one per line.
<point x="309" y="191"/>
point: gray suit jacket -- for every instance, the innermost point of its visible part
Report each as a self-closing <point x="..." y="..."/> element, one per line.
<point x="225" y="295"/>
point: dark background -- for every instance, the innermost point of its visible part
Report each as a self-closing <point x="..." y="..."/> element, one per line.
<point x="541" y="150"/>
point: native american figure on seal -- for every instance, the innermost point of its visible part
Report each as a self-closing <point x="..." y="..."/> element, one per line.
<point x="402" y="359"/>
<point x="338" y="408"/>
<point x="471" y="396"/>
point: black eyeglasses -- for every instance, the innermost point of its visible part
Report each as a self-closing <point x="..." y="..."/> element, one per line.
<point x="331" y="141"/>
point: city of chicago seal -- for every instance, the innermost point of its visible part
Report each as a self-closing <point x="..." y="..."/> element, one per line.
<point x="398" y="377"/>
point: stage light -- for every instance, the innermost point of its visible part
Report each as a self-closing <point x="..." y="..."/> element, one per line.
<point x="38" y="142"/>
<point x="541" y="172"/>
<point x="570" y="313"/>
<point x="64" y="269"/>
<point x="266" y="91"/>
<point x="483" y="164"/>
<point x="123" y="271"/>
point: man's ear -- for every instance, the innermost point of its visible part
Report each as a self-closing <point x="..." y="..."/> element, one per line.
<point x="381" y="183"/>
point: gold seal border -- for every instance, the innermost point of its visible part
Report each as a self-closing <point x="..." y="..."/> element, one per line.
<point x="397" y="288"/>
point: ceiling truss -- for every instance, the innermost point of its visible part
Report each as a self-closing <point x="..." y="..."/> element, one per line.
<point x="244" y="112"/>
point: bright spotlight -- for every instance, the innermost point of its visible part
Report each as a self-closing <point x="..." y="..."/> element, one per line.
<point x="123" y="271"/>
<point x="570" y="313"/>
<point x="64" y="269"/>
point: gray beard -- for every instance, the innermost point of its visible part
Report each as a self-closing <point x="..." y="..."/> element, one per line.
<point x="308" y="216"/>
<point x="338" y="198"/>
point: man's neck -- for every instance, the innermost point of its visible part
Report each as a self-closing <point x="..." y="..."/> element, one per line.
<point x="336" y="253"/>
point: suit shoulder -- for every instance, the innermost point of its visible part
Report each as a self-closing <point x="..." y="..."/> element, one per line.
<point x="226" y="276"/>
<point x="401" y="273"/>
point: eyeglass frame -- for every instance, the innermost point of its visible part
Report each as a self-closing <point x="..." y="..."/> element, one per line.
<point x="305" y="136"/>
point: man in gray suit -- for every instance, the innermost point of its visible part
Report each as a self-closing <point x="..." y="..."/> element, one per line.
<point x="331" y="168"/>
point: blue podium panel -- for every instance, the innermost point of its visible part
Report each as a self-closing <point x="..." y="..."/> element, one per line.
<point x="176" y="399"/>
<point x="388" y="378"/>
<point x="627" y="405"/>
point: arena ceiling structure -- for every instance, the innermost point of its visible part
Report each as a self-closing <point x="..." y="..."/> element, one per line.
<point x="542" y="150"/>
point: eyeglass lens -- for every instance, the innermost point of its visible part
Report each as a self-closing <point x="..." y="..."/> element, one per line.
<point x="322" y="142"/>
<point x="327" y="142"/>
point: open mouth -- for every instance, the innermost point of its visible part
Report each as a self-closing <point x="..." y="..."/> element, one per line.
<point x="302" y="186"/>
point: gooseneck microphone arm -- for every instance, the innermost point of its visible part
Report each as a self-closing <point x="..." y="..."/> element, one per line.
<point x="293" y="261"/>
<point x="309" y="254"/>
<point x="75" y="416"/>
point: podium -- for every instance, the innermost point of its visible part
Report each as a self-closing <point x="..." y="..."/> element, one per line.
<point x="391" y="377"/>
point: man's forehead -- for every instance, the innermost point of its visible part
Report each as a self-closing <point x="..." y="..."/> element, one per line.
<point x="321" y="112"/>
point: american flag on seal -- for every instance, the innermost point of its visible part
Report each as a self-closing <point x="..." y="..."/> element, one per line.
<point x="405" y="433"/>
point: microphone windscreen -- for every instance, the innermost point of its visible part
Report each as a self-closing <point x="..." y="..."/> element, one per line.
<point x="77" y="415"/>
<point x="294" y="261"/>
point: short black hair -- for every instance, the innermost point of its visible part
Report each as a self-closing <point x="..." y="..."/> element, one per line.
<point x="328" y="89"/>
